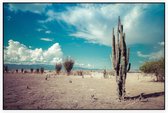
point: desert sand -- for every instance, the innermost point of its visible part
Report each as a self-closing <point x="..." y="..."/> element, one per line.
<point x="34" y="91"/>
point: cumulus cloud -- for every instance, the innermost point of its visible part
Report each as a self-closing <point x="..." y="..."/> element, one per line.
<point x="94" y="22"/>
<point x="34" y="8"/>
<point x="18" y="53"/>
<point x="46" y="39"/>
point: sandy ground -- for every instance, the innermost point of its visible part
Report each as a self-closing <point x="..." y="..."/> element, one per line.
<point x="33" y="91"/>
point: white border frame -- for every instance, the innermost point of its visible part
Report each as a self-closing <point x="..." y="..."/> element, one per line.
<point x="81" y="111"/>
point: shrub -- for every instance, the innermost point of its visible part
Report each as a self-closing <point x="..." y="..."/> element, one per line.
<point x="58" y="67"/>
<point x="68" y="65"/>
<point x="156" y="67"/>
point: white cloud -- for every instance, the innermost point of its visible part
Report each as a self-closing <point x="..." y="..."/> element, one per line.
<point x="45" y="30"/>
<point x="94" y="22"/>
<point x="34" y="8"/>
<point x="16" y="53"/>
<point x="51" y="16"/>
<point x="152" y="56"/>
<point x="139" y="53"/>
<point x="39" y="29"/>
<point x="161" y="43"/>
<point x="46" y="39"/>
<point x="48" y="32"/>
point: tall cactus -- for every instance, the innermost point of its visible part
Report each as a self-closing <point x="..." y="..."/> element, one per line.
<point x="120" y="59"/>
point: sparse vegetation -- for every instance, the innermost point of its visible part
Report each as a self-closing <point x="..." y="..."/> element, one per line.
<point x="68" y="65"/>
<point x="155" y="67"/>
<point x="58" y="67"/>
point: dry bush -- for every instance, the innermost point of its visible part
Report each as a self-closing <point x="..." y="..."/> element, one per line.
<point x="58" y="67"/>
<point x="68" y="65"/>
<point x="155" y="67"/>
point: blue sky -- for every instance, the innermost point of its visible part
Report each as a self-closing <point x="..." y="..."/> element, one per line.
<point x="48" y="33"/>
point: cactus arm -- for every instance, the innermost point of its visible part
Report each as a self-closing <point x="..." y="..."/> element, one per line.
<point x="128" y="54"/>
<point x="118" y="51"/>
<point x="114" y="50"/>
<point x="129" y="67"/>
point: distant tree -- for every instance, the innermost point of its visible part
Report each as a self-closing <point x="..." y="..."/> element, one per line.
<point x="68" y="65"/>
<point x="25" y="71"/>
<point x="22" y="70"/>
<point x="156" y="67"/>
<point x="37" y="70"/>
<point x="6" y="69"/>
<point x="16" y="70"/>
<point x="42" y="70"/>
<point x="31" y="70"/>
<point x="58" y="67"/>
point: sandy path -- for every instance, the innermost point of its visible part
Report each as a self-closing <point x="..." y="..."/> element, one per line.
<point x="73" y="92"/>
